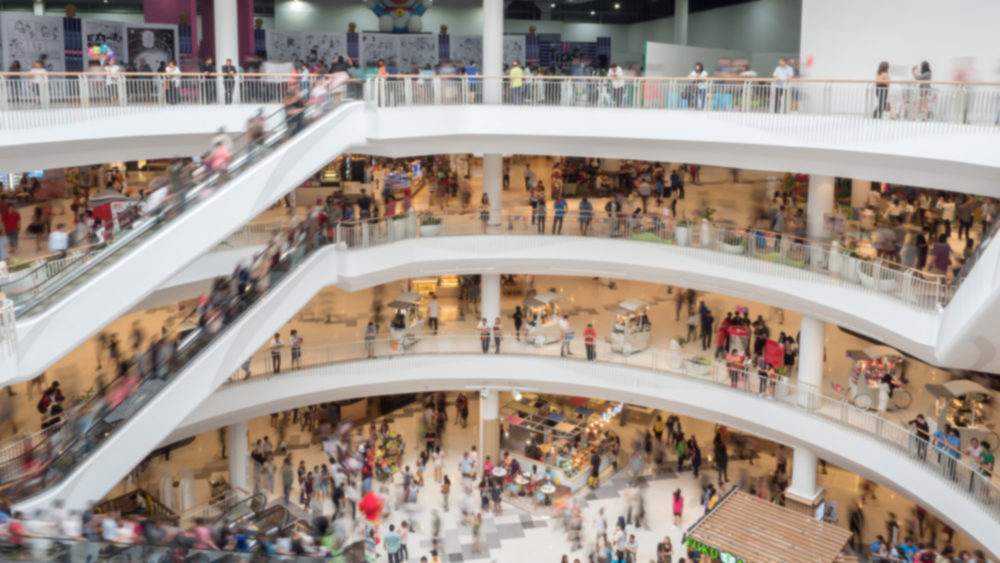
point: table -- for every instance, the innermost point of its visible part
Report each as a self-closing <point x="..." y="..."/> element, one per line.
<point x="520" y="481"/>
<point x="499" y="472"/>
<point x="547" y="490"/>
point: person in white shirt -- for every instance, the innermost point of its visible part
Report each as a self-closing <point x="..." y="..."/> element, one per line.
<point x="173" y="82"/>
<point x="617" y="84"/>
<point x="782" y="73"/>
<point x="276" y="345"/>
<point x="699" y="72"/>
<point x="566" y="334"/>
<point x="59" y="240"/>
<point x="433" y="312"/>
<point x="37" y="79"/>
<point x="295" y="341"/>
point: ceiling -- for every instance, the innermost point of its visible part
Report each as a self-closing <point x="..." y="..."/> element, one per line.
<point x="595" y="11"/>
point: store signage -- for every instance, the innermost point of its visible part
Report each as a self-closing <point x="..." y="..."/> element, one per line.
<point x="724" y="557"/>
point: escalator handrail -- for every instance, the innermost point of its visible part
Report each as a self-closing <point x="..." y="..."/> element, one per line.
<point x="238" y="160"/>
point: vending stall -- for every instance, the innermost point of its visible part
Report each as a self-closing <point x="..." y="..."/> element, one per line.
<point x="542" y="324"/>
<point x="406" y="321"/>
<point x="870" y="367"/>
<point x="631" y="331"/>
<point x="962" y="403"/>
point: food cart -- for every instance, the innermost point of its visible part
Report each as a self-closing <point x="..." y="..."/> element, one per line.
<point x="961" y="403"/>
<point x="407" y="321"/>
<point x="631" y="329"/>
<point x="542" y="324"/>
<point x="870" y="366"/>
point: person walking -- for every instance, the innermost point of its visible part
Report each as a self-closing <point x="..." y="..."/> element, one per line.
<point x="882" y="91"/>
<point x="371" y="331"/>
<point x="589" y="340"/>
<point x="497" y="335"/>
<point x="392" y="541"/>
<point x="678" y="508"/>
<point x="287" y="478"/>
<point x="518" y="317"/>
<point x="445" y="491"/>
<point x="295" y="341"/>
<point x="276" y="345"/>
<point x="560" y="213"/>
<point x="484" y="334"/>
<point x="566" y="335"/>
<point x="433" y="312"/>
<point x="707" y="320"/>
<point x="539" y="215"/>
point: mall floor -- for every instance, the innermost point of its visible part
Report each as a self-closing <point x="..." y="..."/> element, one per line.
<point x="521" y="535"/>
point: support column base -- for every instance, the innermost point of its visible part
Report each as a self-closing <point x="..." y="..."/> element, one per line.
<point x="804" y="504"/>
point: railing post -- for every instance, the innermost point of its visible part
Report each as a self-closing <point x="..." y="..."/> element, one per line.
<point x="161" y="94"/>
<point x="4" y="93"/>
<point x="827" y="98"/>
<point x="436" y="87"/>
<point x="407" y="92"/>
<point x="43" y="91"/>
<point x="84" y="91"/>
<point x="8" y="329"/>
<point x="120" y="86"/>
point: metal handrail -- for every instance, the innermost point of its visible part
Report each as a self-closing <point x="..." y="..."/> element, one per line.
<point x="783" y="254"/>
<point x="966" y="478"/>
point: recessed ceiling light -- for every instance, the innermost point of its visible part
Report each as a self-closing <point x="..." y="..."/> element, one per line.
<point x="617" y="6"/>
<point x="592" y="12"/>
<point x="552" y="5"/>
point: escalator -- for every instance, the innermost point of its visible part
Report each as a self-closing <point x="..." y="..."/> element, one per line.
<point x="60" y="303"/>
<point x="116" y="431"/>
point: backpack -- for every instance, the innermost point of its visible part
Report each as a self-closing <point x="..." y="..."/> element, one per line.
<point x="43" y="403"/>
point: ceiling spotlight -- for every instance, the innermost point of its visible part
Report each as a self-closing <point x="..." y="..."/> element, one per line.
<point x="517" y="394"/>
<point x="593" y="13"/>
<point x="618" y="6"/>
<point x="552" y="5"/>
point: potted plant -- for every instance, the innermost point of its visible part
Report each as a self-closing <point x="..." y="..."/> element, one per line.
<point x="397" y="226"/>
<point x="430" y="225"/>
<point x="853" y="262"/>
<point x="733" y="243"/>
<point x="781" y="386"/>
<point x="682" y="230"/>
<point x="706" y="227"/>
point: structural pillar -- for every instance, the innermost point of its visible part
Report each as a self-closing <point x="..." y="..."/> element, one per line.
<point x="812" y="334"/>
<point x="803" y="495"/>
<point x="239" y="456"/>
<point x="245" y="30"/>
<point x="492" y="63"/>
<point x="680" y="22"/>
<point x="489" y="426"/>
<point x="490" y="297"/>
<point x="818" y="203"/>
<point x="859" y="192"/>
<point x="493" y="184"/>
<point x="38" y="8"/>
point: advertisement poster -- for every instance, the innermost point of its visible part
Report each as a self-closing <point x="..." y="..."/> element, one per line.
<point x="153" y="44"/>
<point x="27" y="38"/>
<point x="774" y="354"/>
<point x="97" y="33"/>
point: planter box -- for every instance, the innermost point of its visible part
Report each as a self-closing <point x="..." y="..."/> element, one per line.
<point x="731" y="248"/>
<point x="430" y="230"/>
<point x="883" y="285"/>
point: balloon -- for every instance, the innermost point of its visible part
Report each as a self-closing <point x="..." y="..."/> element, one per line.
<point x="104" y="49"/>
<point x="371" y="506"/>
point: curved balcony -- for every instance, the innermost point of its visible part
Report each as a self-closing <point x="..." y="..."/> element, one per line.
<point x="835" y="430"/>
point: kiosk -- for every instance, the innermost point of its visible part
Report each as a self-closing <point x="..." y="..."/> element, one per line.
<point x="631" y="329"/>
<point x="870" y="366"/>
<point x="960" y="403"/>
<point x="407" y="321"/>
<point x="542" y="324"/>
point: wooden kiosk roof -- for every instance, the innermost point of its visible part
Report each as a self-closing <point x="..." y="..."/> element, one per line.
<point x="758" y="531"/>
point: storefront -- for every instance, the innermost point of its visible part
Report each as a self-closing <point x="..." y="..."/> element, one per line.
<point x="870" y="367"/>
<point x="560" y="434"/>
<point x="631" y="330"/>
<point x="542" y="324"/>
<point x="745" y="529"/>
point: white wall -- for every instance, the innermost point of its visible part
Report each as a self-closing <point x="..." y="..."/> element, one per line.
<point x="313" y="16"/>
<point x="848" y="38"/>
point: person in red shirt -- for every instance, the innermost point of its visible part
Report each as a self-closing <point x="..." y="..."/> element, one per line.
<point x="589" y="337"/>
<point x="11" y="225"/>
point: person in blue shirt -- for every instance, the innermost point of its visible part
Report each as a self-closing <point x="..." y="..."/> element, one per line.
<point x="586" y="213"/>
<point x="557" y="221"/>
<point x="471" y="70"/>
<point x="540" y="215"/>
<point x="392" y="541"/>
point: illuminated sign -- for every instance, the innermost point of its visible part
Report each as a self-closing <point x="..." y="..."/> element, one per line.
<point x="615" y="411"/>
<point x="724" y="557"/>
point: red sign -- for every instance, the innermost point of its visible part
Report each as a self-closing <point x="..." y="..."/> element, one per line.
<point x="774" y="354"/>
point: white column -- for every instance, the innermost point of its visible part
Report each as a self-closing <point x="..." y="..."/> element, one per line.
<point x="859" y="192"/>
<point x="680" y="22"/>
<point x="493" y="184"/>
<point x="239" y="456"/>
<point x="812" y="334"/>
<point x="38" y="8"/>
<point x="489" y="425"/>
<point x="492" y="63"/>
<point x="227" y="38"/>
<point x="818" y="202"/>
<point x="804" y="475"/>
<point x="490" y="297"/>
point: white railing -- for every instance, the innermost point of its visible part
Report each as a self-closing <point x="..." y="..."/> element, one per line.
<point x="752" y="250"/>
<point x="253" y="234"/>
<point x="939" y="103"/>
<point x="8" y="323"/>
<point x="965" y="478"/>
<point x="90" y="95"/>
<point x="212" y="509"/>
